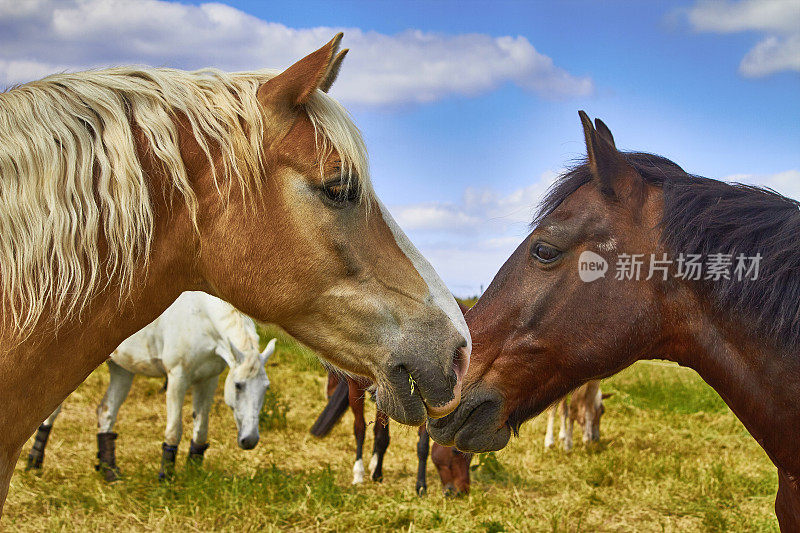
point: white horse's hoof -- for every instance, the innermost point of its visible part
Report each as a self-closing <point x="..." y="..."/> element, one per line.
<point x="358" y="472"/>
<point x="548" y="442"/>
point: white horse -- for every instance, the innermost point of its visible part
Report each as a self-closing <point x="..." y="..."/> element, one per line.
<point x="586" y="408"/>
<point x="191" y="344"/>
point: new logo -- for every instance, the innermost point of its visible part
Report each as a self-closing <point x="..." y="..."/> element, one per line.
<point x="591" y="266"/>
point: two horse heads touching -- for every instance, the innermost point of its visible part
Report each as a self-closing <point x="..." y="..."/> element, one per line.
<point x="122" y="188"/>
<point x="539" y="330"/>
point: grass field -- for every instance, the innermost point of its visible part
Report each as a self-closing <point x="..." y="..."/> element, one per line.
<point x="672" y="457"/>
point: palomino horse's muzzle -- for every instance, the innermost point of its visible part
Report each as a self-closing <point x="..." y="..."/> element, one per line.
<point x="417" y="387"/>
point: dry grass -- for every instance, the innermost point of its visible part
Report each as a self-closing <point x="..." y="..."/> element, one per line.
<point x="672" y="458"/>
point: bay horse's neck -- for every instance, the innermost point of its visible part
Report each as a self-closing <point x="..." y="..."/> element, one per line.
<point x="759" y="382"/>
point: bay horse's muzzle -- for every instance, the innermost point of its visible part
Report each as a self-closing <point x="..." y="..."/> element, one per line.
<point x="477" y="424"/>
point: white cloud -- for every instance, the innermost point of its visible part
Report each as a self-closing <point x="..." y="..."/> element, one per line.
<point x="479" y="211"/>
<point x="467" y="241"/>
<point x="787" y="182"/>
<point x="778" y="19"/>
<point x="773" y="54"/>
<point x="42" y="36"/>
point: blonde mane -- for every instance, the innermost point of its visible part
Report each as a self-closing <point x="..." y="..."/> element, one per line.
<point x="70" y="175"/>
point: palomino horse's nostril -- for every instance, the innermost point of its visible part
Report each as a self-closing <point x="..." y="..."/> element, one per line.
<point x="460" y="361"/>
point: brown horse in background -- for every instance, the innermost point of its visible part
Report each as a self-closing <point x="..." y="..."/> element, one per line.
<point x="541" y="329"/>
<point x="344" y="392"/>
<point x="122" y="188"/>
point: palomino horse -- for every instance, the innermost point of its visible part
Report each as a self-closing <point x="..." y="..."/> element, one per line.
<point x="122" y="188"/>
<point x="344" y="392"/>
<point x="584" y="407"/>
<point x="191" y="343"/>
<point x="554" y="318"/>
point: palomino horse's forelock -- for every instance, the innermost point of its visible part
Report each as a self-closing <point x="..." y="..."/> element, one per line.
<point x="70" y="174"/>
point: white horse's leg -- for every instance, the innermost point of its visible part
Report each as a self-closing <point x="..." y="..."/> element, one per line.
<point x="176" y="393"/>
<point x="549" y="440"/>
<point x="565" y="433"/>
<point x="119" y="385"/>
<point x="36" y="455"/>
<point x="202" y="398"/>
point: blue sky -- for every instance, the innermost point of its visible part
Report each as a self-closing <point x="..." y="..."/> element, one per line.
<point x="469" y="109"/>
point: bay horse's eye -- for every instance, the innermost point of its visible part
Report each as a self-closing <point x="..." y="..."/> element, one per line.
<point x="545" y="253"/>
<point x="341" y="191"/>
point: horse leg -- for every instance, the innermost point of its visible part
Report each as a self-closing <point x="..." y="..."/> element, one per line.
<point x="202" y="398"/>
<point x="549" y="440"/>
<point x="423" y="447"/>
<point x="176" y="392"/>
<point x="333" y="381"/>
<point x="460" y="469"/>
<point x="442" y="457"/>
<point x="787" y="503"/>
<point x="8" y="459"/>
<point x="565" y="433"/>
<point x="356" y="396"/>
<point x="379" y="445"/>
<point x="119" y="384"/>
<point x="36" y="455"/>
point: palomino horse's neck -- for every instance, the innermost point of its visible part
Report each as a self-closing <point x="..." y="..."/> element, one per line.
<point x="759" y="382"/>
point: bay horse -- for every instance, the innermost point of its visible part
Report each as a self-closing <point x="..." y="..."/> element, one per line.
<point x="191" y="344"/>
<point x="541" y="329"/>
<point x="343" y="392"/>
<point x="122" y="188"/>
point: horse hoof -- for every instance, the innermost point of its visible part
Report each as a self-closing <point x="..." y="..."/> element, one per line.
<point x="110" y="476"/>
<point x="377" y="478"/>
<point x="33" y="464"/>
<point x="422" y="490"/>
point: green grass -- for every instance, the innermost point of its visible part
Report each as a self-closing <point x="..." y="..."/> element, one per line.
<point x="672" y="458"/>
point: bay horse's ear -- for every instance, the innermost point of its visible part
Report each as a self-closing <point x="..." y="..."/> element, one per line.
<point x="333" y="71"/>
<point x="609" y="167"/>
<point x="604" y="132"/>
<point x="293" y="86"/>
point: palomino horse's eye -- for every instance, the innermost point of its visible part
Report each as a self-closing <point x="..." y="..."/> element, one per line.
<point x="545" y="253"/>
<point x="341" y="191"/>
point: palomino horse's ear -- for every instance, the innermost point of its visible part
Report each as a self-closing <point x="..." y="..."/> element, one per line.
<point x="333" y="71"/>
<point x="608" y="166"/>
<point x="293" y="86"/>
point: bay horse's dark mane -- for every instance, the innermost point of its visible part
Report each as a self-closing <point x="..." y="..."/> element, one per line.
<point x="704" y="216"/>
